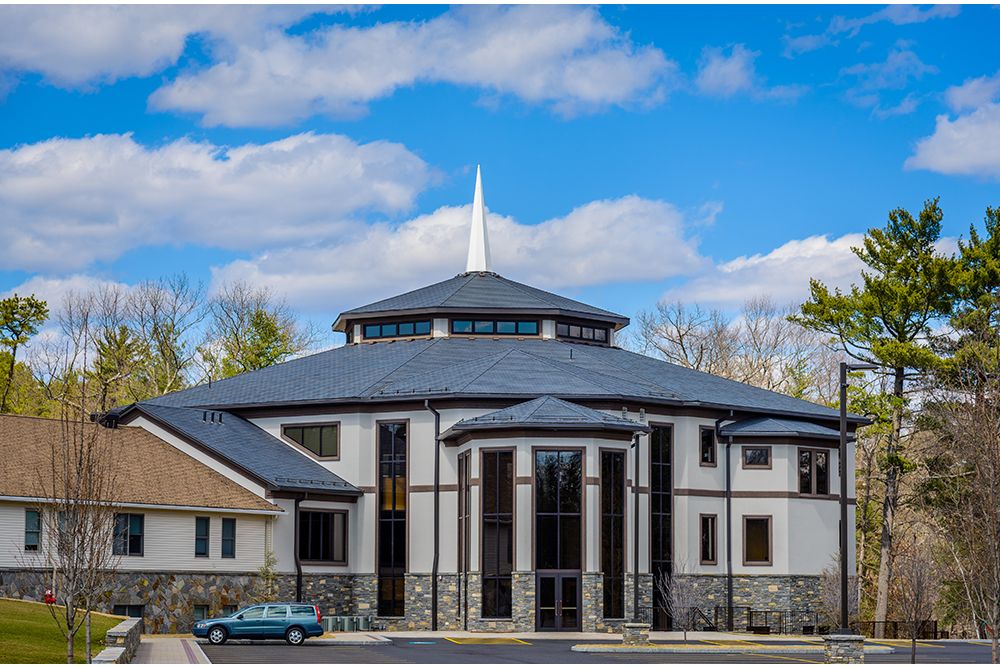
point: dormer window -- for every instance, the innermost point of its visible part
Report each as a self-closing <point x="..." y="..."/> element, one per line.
<point x="393" y="330"/>
<point x="495" y="327"/>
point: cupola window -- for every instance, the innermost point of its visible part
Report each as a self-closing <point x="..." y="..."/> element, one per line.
<point x="495" y="327"/>
<point x="390" y="330"/>
<point x="566" y="330"/>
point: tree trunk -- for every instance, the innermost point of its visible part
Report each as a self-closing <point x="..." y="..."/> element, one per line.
<point x="88" y="633"/>
<point x="10" y="379"/>
<point x="889" y="507"/>
<point x="69" y="646"/>
<point x="913" y="650"/>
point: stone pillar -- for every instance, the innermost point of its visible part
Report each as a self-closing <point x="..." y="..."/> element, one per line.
<point x="635" y="634"/>
<point x="844" y="648"/>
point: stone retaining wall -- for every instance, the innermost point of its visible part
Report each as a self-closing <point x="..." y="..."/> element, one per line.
<point x="121" y="642"/>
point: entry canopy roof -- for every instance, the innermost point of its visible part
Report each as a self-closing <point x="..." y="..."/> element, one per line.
<point x="546" y="413"/>
<point x="478" y="292"/>
<point x="776" y="427"/>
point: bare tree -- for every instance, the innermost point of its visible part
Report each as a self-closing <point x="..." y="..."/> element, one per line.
<point x="829" y="594"/>
<point x="916" y="583"/>
<point x="679" y="597"/>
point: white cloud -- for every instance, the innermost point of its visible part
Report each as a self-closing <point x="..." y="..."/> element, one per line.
<point x="795" y="46"/>
<point x="65" y="203"/>
<point x="968" y="145"/>
<point x="565" y="57"/>
<point x="54" y="289"/>
<point x="627" y="239"/>
<point x="872" y="80"/>
<point x="77" y="45"/>
<point x="782" y="274"/>
<point x="722" y="75"/>
<point x="973" y="93"/>
<point x="896" y="14"/>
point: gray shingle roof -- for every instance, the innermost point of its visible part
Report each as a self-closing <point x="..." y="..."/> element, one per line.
<point x="249" y="447"/>
<point x="546" y="412"/>
<point x="485" y="367"/>
<point x="478" y="291"/>
<point x="767" y="426"/>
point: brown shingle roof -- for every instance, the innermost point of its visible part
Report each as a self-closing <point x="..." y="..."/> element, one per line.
<point x="149" y="470"/>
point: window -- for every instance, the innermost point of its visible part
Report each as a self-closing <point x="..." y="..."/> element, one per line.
<point x="201" y="528"/>
<point x="464" y="492"/>
<point x="495" y="327"/>
<point x="129" y="534"/>
<point x="709" y="536"/>
<point x="392" y="444"/>
<point x="302" y="611"/>
<point x="276" y="612"/>
<point x="200" y="612"/>
<point x="228" y="537"/>
<point x="323" y="440"/>
<point x="756" y="540"/>
<point x="127" y="610"/>
<point x="256" y="612"/>
<point x="757" y="457"/>
<point x="228" y="610"/>
<point x="661" y="488"/>
<point x="814" y="471"/>
<point x="388" y="330"/>
<point x="613" y="532"/>
<point x="707" y="435"/>
<point x="582" y="332"/>
<point x="498" y="531"/>
<point x="323" y="536"/>
<point x="32" y="530"/>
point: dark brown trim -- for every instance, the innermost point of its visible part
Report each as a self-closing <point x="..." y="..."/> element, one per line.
<point x="486" y="434"/>
<point x="314" y="496"/>
<point x="715" y="538"/>
<point x="409" y="518"/>
<point x="306" y="451"/>
<point x="522" y="480"/>
<point x="715" y="447"/>
<point x="812" y="471"/>
<point x="818" y="442"/>
<point x="368" y="490"/>
<point x="592" y="480"/>
<point x="743" y="457"/>
<point x="421" y="489"/>
<point x="756" y="494"/>
<point x="583" y="499"/>
<point x="770" y="540"/>
<point x="482" y="535"/>
<point x="347" y="538"/>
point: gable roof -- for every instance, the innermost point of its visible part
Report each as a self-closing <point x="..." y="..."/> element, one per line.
<point x="478" y="291"/>
<point x="275" y="464"/>
<point x="462" y="367"/>
<point x="546" y="413"/>
<point x="148" y="470"/>
<point x="766" y="426"/>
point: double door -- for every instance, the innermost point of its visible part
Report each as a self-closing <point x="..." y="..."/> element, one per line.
<point x="558" y="602"/>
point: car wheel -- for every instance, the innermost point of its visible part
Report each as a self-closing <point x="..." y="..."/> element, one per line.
<point x="295" y="636"/>
<point x="217" y="635"/>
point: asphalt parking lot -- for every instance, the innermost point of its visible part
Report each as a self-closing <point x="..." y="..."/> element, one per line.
<point x="441" y="650"/>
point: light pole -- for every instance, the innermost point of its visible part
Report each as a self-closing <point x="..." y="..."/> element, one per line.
<point x="844" y="606"/>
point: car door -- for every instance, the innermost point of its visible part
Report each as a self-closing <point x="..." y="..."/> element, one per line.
<point x="249" y="623"/>
<point x="275" y="621"/>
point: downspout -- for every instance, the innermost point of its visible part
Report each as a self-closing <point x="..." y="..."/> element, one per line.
<point x="295" y="550"/>
<point x="437" y="518"/>
<point x="635" y="540"/>
<point x="729" y="524"/>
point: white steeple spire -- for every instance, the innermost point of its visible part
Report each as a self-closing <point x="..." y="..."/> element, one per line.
<point x="479" y="241"/>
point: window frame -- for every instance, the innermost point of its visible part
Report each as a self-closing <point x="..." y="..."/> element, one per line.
<point x="207" y="611"/>
<point x="770" y="540"/>
<point x="759" y="467"/>
<point x="128" y="536"/>
<point x="399" y="514"/>
<point x="569" y="326"/>
<point x="621" y="536"/>
<point x="207" y="536"/>
<point x="344" y="537"/>
<point x="714" y="517"/>
<point x="494" y="329"/>
<point x="714" y="463"/>
<point x="498" y="518"/>
<point x="127" y="606"/>
<point x="230" y="521"/>
<point x="396" y="324"/>
<point x="304" y="449"/>
<point x="812" y="471"/>
<point x="37" y="547"/>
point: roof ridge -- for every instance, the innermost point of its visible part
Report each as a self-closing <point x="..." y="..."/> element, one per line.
<point x="468" y="362"/>
<point x="562" y="367"/>
<point x="467" y="276"/>
<point x="367" y="390"/>
<point x="500" y="358"/>
<point x="520" y="288"/>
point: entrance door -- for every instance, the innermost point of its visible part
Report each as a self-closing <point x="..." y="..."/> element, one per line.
<point x="558" y="597"/>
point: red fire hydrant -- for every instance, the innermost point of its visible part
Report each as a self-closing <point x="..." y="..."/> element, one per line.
<point x="50" y="598"/>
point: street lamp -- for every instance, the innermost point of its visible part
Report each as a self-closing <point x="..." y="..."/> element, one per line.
<point x="844" y="606"/>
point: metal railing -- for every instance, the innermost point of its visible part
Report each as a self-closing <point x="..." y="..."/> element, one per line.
<point x="900" y="630"/>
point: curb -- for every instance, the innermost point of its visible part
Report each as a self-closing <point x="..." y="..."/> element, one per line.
<point x="372" y="641"/>
<point x="669" y="649"/>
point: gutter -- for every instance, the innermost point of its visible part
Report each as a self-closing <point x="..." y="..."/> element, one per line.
<point x="437" y="514"/>
<point x="151" y="506"/>
<point x="295" y="551"/>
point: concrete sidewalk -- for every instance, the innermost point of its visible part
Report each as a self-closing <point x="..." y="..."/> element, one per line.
<point x="167" y="649"/>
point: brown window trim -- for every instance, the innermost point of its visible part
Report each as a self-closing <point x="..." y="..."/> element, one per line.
<point x="715" y="539"/>
<point x="715" y="448"/>
<point x="812" y="472"/>
<point x="482" y="522"/>
<point x="743" y="457"/>
<point x="770" y="540"/>
<point x="347" y="535"/>
<point x="304" y="449"/>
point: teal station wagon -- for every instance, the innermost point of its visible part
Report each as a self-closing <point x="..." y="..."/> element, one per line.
<point x="292" y="621"/>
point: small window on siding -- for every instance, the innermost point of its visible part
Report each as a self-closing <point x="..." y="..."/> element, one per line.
<point x="129" y="534"/>
<point x="756" y="540"/>
<point x="321" y="440"/>
<point x="127" y="610"/>
<point x="200" y="612"/>
<point x="707" y="446"/>
<point x="814" y="472"/>
<point x="323" y="536"/>
<point x="756" y="457"/>
<point x="228" y="537"/>
<point x="32" y="530"/>
<point x="709" y="536"/>
<point x="201" y="530"/>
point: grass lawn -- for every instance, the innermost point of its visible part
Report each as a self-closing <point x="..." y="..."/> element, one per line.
<point x="28" y="634"/>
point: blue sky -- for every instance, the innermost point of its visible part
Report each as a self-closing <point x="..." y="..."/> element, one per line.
<point x="629" y="153"/>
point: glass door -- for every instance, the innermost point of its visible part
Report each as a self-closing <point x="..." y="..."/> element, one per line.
<point x="558" y="602"/>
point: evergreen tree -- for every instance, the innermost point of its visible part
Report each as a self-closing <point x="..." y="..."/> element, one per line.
<point x="20" y="318"/>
